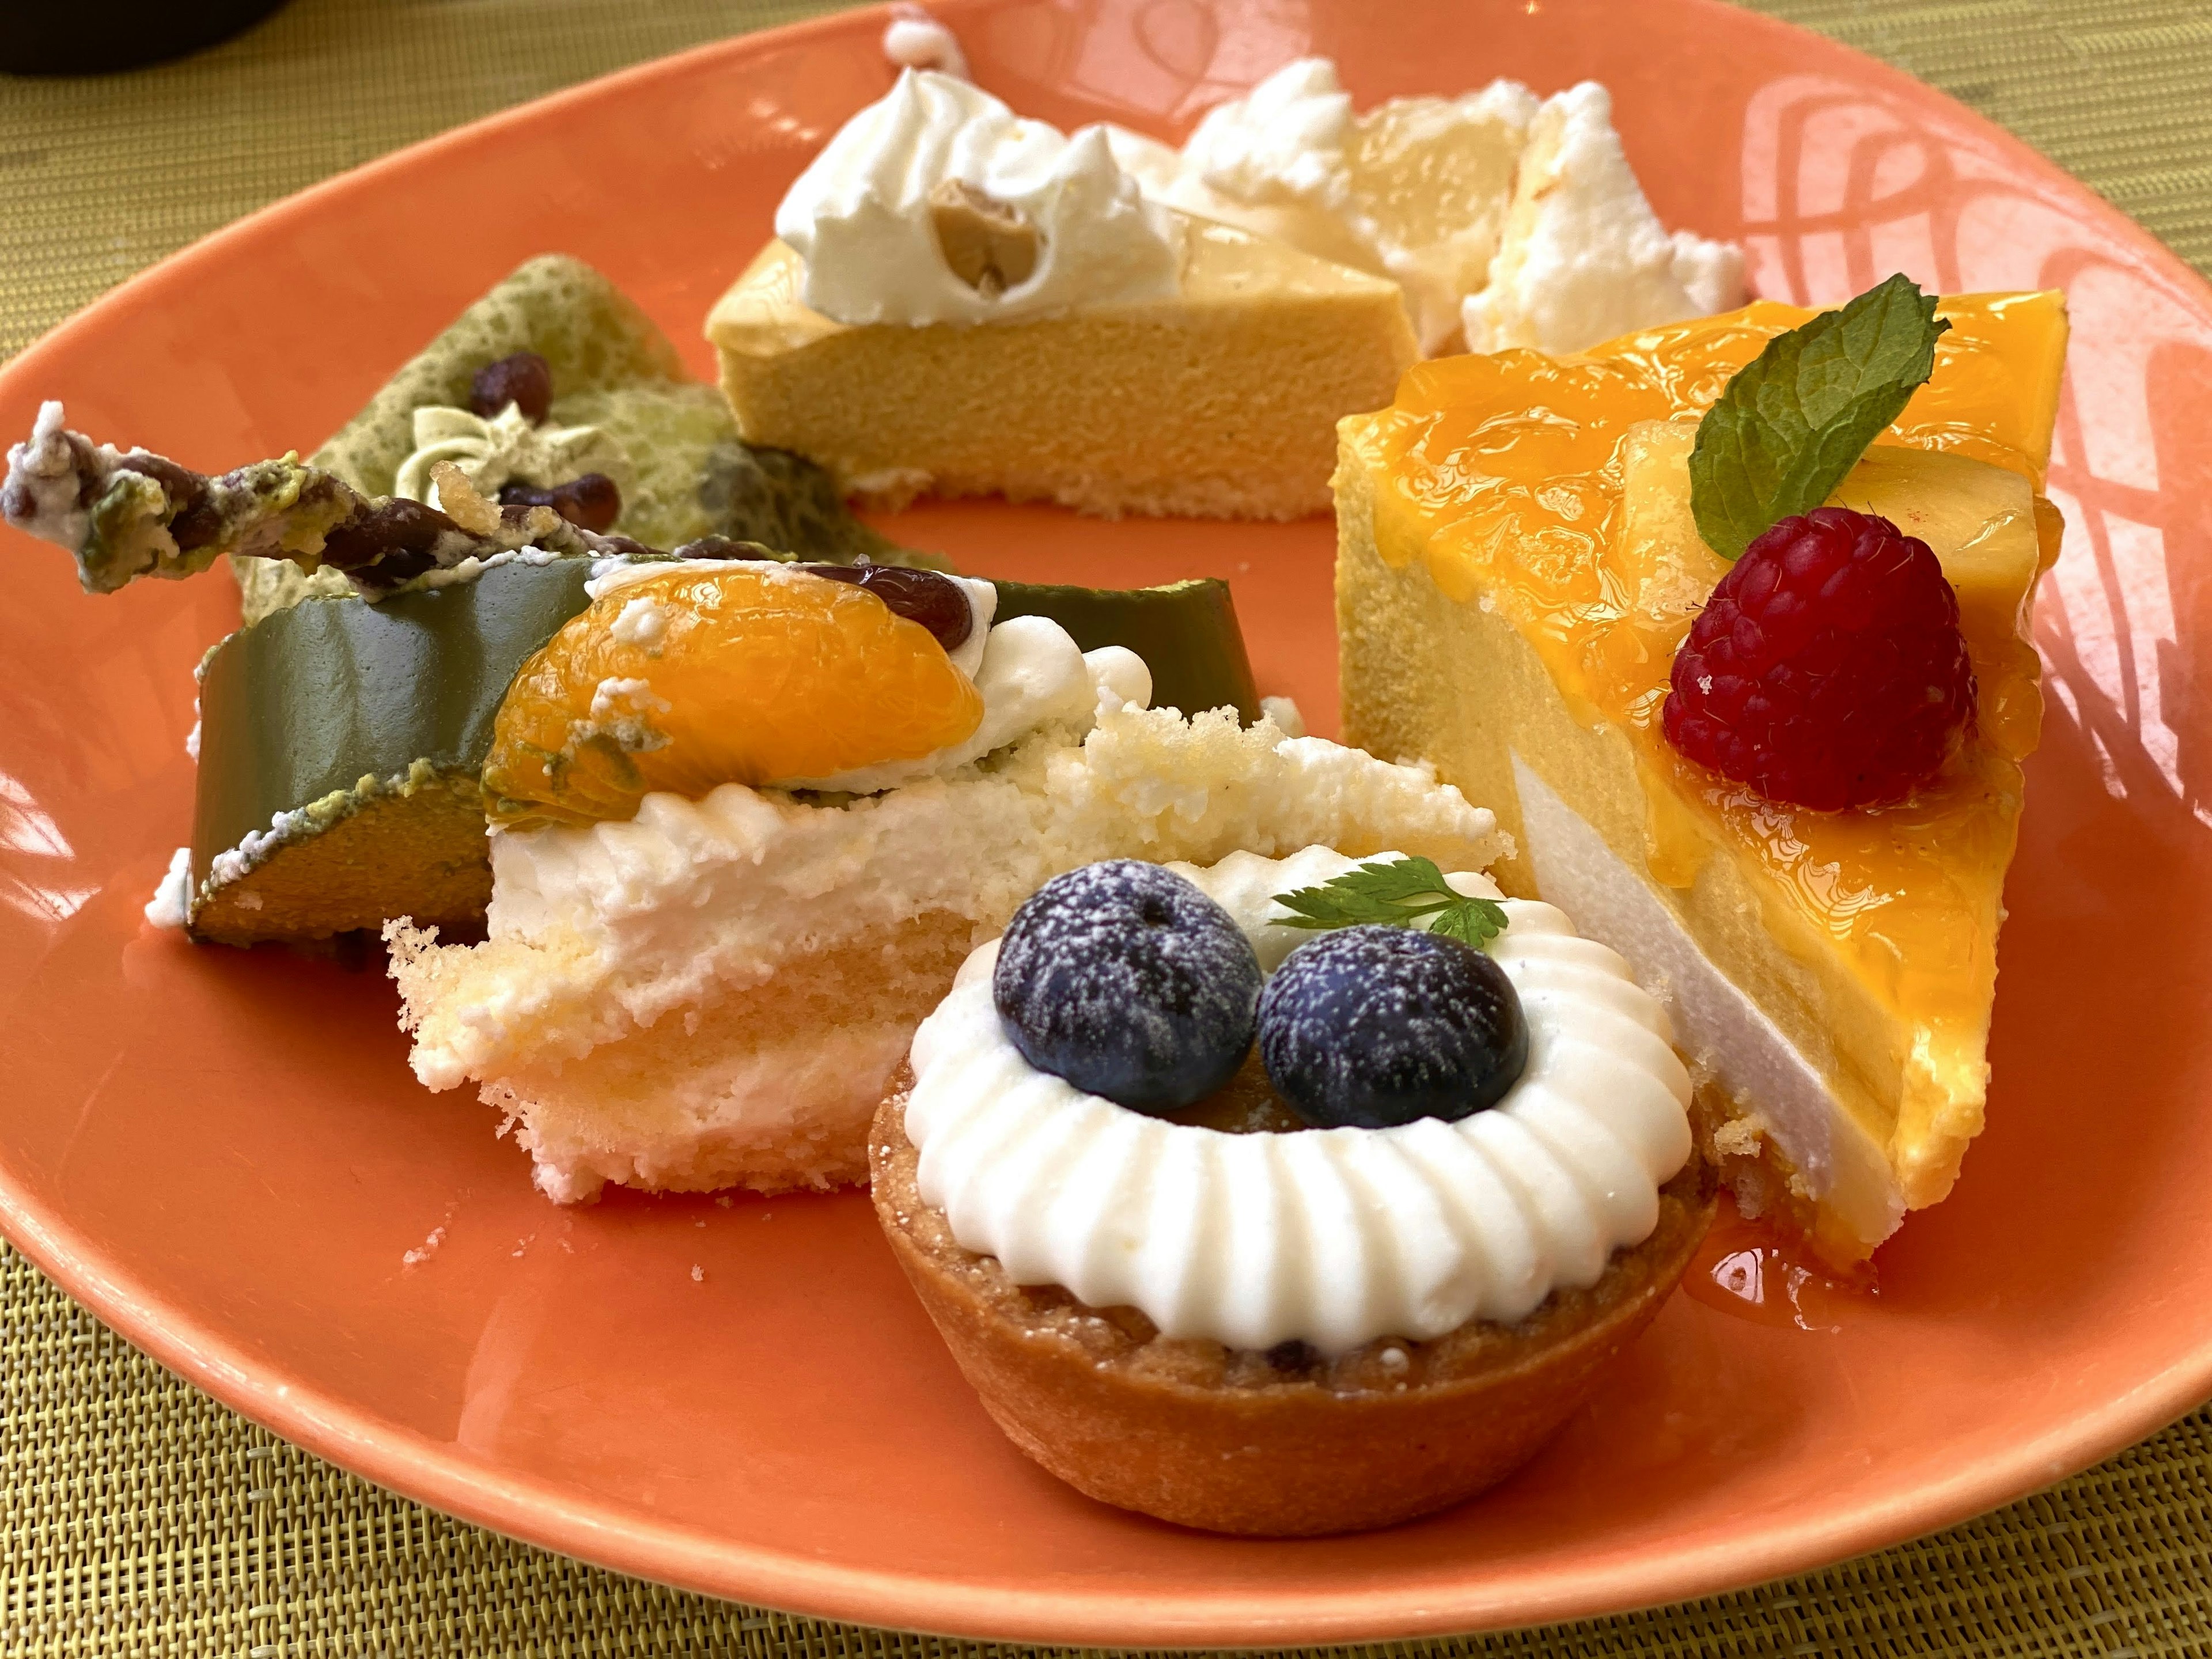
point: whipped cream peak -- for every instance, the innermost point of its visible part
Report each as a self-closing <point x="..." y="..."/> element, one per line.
<point x="1283" y="141"/>
<point x="1332" y="1237"/>
<point x="508" y="446"/>
<point x="1507" y="219"/>
<point x="938" y="204"/>
<point x="1583" y="257"/>
<point x="914" y="39"/>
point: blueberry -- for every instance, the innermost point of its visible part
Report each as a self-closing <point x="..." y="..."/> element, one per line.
<point x="1375" y="1026"/>
<point x="1129" y="982"/>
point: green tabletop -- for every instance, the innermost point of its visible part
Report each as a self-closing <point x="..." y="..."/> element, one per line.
<point x="137" y="1515"/>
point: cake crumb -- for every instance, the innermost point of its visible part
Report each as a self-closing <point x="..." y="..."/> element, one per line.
<point x="429" y="1248"/>
<point x="722" y="1201"/>
<point x="1284" y="712"/>
<point x="1740" y="1137"/>
<point x="1393" y="1360"/>
<point x="698" y="1275"/>
<point x="172" y="903"/>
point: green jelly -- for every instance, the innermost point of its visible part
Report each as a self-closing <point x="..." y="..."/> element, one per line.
<point x="1186" y="632"/>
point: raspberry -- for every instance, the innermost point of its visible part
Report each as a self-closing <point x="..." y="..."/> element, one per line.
<point x="1828" y="669"/>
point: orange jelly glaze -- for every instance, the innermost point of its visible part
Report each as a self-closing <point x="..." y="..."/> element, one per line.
<point x="1510" y="467"/>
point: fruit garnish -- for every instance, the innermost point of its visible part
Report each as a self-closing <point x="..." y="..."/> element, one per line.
<point x="754" y="673"/>
<point x="591" y="501"/>
<point x="1129" y="982"/>
<point x="521" y="378"/>
<point x="1400" y="892"/>
<point x="936" y="602"/>
<point x="1377" y="1026"/>
<point x="1827" y="669"/>
<point x="1796" y="419"/>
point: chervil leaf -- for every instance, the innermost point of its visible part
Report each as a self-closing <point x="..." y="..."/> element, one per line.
<point x="1398" y="892"/>
<point x="1797" y="417"/>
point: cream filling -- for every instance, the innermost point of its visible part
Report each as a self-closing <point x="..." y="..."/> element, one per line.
<point x="506" y="447"/>
<point x="1720" y="1027"/>
<point x="600" y="930"/>
<point x="1336" y="1237"/>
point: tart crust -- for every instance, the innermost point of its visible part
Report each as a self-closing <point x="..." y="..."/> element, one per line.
<point x="1285" y="1443"/>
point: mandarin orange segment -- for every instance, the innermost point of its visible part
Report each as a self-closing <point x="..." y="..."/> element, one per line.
<point x="750" y="674"/>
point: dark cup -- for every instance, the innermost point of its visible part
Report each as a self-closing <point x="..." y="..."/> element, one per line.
<point x="119" y="34"/>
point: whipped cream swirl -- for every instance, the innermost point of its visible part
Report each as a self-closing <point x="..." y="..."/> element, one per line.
<point x="1331" y="1236"/>
<point x="508" y="446"/>
<point x="939" y="173"/>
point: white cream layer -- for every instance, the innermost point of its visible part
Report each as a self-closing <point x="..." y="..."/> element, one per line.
<point x="1334" y="1237"/>
<point x="1720" y="1028"/>
<point x="598" y="930"/>
<point x="861" y="217"/>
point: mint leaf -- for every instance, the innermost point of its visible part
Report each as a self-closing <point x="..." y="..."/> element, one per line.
<point x="1398" y="893"/>
<point x="1797" y="417"/>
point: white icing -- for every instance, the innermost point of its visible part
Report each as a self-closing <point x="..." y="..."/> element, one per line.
<point x="861" y="219"/>
<point x="469" y="569"/>
<point x="641" y="622"/>
<point x="982" y="608"/>
<point x="172" y="903"/>
<point x="1283" y="141"/>
<point x="504" y="448"/>
<point x="914" y="39"/>
<point x="1720" y="1027"/>
<point x="1334" y="1237"/>
<point x="1584" y="258"/>
<point x="41" y="492"/>
<point x="1546" y="238"/>
<point x="1285" y="714"/>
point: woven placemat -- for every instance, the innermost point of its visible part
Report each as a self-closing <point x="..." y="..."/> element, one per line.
<point x="137" y="1515"/>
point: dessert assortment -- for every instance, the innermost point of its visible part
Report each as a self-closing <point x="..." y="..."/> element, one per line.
<point x="1284" y="1135"/>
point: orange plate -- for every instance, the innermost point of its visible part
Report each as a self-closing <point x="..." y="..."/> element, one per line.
<point x="223" y="1154"/>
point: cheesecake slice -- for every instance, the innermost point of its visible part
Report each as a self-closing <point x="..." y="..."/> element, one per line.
<point x="1518" y="564"/>
<point x="1218" y="400"/>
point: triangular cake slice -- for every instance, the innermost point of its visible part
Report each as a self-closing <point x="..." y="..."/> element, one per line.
<point x="1518" y="564"/>
<point x="1218" y="400"/>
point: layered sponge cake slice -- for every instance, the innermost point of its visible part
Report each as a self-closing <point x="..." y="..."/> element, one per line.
<point x="1518" y="561"/>
<point x="712" y="933"/>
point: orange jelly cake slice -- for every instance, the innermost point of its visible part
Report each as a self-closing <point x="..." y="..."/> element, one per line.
<point x="1520" y="559"/>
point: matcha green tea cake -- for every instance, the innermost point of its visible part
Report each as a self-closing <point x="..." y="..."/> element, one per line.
<point x="396" y="583"/>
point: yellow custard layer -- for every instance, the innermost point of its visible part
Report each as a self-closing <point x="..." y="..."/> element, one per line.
<point x="1538" y="488"/>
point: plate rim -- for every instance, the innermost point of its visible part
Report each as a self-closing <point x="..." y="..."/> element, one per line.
<point x="605" y="1534"/>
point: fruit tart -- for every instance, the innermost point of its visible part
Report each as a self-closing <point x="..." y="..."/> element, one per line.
<point x="1288" y="1195"/>
<point x="1751" y="696"/>
<point x="749" y="819"/>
